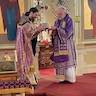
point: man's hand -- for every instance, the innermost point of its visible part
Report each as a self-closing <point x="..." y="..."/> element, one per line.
<point x="42" y="27"/>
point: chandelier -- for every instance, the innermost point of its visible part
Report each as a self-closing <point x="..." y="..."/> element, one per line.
<point x="60" y="2"/>
<point x="40" y="5"/>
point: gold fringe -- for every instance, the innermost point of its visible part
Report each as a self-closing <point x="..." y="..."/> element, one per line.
<point x="32" y="68"/>
<point x="17" y="90"/>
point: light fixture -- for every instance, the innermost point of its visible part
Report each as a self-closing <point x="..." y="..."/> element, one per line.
<point x="40" y="5"/>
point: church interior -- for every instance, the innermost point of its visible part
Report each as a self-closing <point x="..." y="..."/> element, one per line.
<point x="85" y="44"/>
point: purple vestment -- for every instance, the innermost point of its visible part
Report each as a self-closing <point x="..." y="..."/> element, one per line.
<point x="64" y="54"/>
<point x="24" y="49"/>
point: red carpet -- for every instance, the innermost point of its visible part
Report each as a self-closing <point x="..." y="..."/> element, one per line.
<point x="85" y="86"/>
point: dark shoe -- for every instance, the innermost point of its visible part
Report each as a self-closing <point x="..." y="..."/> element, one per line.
<point x="61" y="82"/>
<point x="65" y="82"/>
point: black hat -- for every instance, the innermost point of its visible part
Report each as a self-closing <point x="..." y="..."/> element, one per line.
<point x="33" y="9"/>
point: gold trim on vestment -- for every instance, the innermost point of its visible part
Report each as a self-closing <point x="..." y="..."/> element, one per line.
<point x="61" y="52"/>
<point x="31" y="69"/>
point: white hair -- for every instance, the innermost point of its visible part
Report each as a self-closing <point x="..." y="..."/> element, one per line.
<point x="62" y="7"/>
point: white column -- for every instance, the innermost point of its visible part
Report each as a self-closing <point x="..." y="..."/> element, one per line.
<point x="78" y="38"/>
<point x="77" y="21"/>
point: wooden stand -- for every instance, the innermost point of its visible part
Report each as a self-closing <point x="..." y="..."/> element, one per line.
<point x="44" y="56"/>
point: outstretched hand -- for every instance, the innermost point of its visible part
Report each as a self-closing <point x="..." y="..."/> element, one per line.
<point x="53" y="28"/>
<point x="42" y="27"/>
